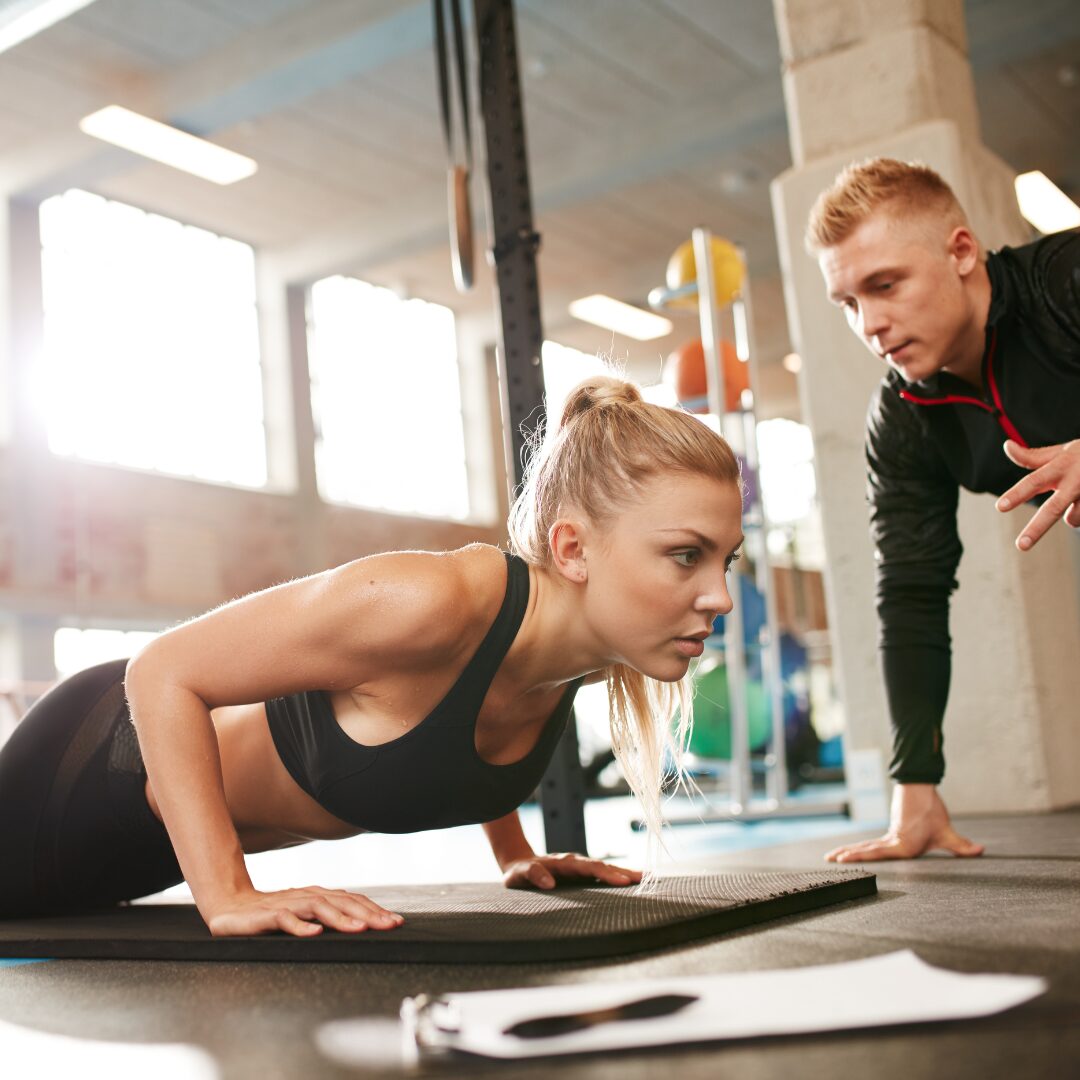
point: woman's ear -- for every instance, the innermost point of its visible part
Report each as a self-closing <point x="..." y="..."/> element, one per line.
<point x="566" y="539"/>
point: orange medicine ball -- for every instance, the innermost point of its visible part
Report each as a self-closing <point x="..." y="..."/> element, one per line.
<point x="685" y="370"/>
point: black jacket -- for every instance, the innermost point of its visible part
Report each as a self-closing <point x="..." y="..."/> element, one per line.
<point x="926" y="440"/>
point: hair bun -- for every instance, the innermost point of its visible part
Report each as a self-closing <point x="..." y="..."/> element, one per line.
<point x="597" y="392"/>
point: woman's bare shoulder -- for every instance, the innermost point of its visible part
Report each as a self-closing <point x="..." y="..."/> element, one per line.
<point x="435" y="598"/>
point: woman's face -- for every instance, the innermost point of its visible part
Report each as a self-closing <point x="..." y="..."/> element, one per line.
<point x="657" y="572"/>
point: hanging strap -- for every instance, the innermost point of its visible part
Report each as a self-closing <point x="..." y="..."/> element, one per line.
<point x="459" y="158"/>
<point x="444" y="81"/>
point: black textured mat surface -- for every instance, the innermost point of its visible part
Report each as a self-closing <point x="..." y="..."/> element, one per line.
<point x="482" y="923"/>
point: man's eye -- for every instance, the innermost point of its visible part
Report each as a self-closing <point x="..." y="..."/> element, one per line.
<point x="884" y="286"/>
<point x="687" y="558"/>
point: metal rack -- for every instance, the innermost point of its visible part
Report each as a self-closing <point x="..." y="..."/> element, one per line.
<point x="513" y="255"/>
<point x="740" y="430"/>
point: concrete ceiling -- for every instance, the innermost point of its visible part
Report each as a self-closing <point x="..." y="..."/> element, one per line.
<point x="643" y="117"/>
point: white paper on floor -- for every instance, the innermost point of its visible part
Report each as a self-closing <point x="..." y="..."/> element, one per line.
<point x="25" y="1052"/>
<point x="897" y="988"/>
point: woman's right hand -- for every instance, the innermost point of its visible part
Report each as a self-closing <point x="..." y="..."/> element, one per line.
<point x="302" y="912"/>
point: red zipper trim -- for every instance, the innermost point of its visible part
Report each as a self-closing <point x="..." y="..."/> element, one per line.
<point x="948" y="399"/>
<point x="956" y="399"/>
<point x="1003" y="420"/>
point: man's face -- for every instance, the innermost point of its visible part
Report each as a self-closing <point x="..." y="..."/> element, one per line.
<point x="900" y="283"/>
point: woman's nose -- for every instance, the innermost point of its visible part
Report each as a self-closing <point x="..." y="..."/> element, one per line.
<point x="718" y="599"/>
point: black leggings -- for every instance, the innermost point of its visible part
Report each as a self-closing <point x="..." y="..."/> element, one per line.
<point x="76" y="831"/>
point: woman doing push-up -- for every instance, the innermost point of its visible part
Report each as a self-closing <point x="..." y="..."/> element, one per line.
<point x="397" y="693"/>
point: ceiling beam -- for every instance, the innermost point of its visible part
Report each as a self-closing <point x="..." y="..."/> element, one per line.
<point x="703" y="133"/>
<point x="264" y="69"/>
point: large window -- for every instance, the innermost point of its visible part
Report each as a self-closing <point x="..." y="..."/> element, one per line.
<point x="386" y="398"/>
<point x="151" y="353"/>
<point x="76" y="648"/>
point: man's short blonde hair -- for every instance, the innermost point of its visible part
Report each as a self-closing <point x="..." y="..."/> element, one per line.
<point x="860" y="189"/>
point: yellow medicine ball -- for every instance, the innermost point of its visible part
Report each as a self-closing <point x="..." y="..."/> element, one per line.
<point x="727" y="272"/>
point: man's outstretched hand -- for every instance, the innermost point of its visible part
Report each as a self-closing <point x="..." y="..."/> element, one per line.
<point x="1053" y="468"/>
<point x="919" y="823"/>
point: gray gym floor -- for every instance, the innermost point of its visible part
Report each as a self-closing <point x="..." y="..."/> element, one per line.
<point x="1015" y="910"/>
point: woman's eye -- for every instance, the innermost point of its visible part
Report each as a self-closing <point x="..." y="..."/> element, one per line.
<point x="687" y="558"/>
<point x="732" y="559"/>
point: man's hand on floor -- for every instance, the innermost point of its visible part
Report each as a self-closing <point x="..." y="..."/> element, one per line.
<point x="919" y="823"/>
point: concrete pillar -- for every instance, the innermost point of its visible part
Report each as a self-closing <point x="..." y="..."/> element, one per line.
<point x="891" y="77"/>
<point x="32" y="511"/>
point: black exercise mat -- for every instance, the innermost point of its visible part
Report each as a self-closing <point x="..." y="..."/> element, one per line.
<point x="460" y="924"/>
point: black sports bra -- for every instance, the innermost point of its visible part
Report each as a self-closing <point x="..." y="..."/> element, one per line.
<point x="431" y="777"/>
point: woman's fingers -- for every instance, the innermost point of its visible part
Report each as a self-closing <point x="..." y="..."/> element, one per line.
<point x="362" y="910"/>
<point x="617" y="875"/>
<point x="539" y="876"/>
<point x="331" y="915"/>
<point x="286" y="920"/>
<point x="543" y="871"/>
<point x="578" y="866"/>
<point x="303" y="913"/>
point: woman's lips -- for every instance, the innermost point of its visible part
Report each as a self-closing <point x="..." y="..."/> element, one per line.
<point x="690" y="646"/>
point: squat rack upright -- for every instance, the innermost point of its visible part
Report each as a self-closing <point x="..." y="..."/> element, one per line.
<point x="521" y="335"/>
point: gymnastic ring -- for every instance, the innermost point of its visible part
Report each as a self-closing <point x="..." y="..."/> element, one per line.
<point x="461" y="227"/>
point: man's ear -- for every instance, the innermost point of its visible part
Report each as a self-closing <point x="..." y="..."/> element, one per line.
<point x="963" y="249"/>
<point x="566" y="539"/>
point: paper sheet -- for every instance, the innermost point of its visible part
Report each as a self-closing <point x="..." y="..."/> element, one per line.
<point x="25" y="1052"/>
<point x="897" y="988"/>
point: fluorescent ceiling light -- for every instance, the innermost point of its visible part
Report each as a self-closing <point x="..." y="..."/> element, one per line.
<point x="623" y="318"/>
<point x="1044" y="204"/>
<point x="171" y="146"/>
<point x="22" y="19"/>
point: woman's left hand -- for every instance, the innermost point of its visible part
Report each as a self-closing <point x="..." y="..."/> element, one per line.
<point x="543" y="871"/>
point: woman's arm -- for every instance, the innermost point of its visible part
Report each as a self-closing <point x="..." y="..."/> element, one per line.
<point x="336" y="630"/>
<point x="507" y="840"/>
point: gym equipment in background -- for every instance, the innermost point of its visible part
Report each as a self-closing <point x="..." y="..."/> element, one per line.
<point x="460" y="924"/>
<point x="521" y="335"/>
<point x="711" y="737"/>
<point x="459" y="157"/>
<point x="684" y="369"/>
<point x="728" y="273"/>
<point x="710" y="273"/>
